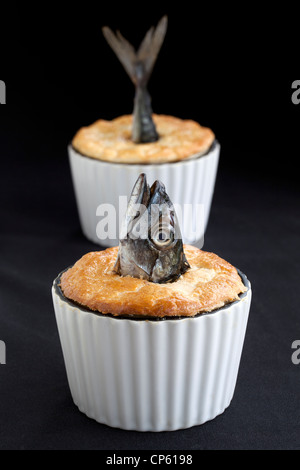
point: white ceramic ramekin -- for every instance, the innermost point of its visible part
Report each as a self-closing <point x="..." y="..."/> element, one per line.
<point x="188" y="183"/>
<point x="152" y="375"/>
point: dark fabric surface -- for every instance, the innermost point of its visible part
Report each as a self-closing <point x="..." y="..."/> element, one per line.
<point x="254" y="222"/>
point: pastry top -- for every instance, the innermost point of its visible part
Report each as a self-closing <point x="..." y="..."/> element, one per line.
<point x="111" y="141"/>
<point x="209" y="284"/>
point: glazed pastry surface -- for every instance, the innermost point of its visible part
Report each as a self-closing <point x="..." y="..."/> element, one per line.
<point x="111" y="141"/>
<point x="210" y="284"/>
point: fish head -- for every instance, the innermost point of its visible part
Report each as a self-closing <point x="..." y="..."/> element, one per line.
<point x="150" y="244"/>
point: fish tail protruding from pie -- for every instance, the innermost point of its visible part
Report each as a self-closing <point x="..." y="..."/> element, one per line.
<point x="139" y="65"/>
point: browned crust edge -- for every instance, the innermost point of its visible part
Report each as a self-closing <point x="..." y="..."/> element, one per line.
<point x="210" y="284"/>
<point x="111" y="141"/>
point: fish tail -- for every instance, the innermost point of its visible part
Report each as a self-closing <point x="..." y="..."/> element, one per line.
<point x="123" y="50"/>
<point x="139" y="65"/>
<point x="150" y="46"/>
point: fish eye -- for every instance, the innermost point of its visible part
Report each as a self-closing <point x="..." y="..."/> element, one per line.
<point x="162" y="236"/>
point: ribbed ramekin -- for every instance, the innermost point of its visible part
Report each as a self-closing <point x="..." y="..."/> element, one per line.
<point x="190" y="182"/>
<point x="152" y="375"/>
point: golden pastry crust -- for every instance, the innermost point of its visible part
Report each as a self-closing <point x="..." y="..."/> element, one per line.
<point x="111" y="141"/>
<point x="209" y="284"/>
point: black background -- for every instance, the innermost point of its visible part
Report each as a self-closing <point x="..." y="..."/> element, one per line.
<point x="230" y="70"/>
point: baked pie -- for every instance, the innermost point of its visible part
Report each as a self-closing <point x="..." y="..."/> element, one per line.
<point x="152" y="331"/>
<point x="106" y="157"/>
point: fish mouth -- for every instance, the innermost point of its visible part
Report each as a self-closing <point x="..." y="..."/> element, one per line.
<point x="151" y="215"/>
<point x="151" y="245"/>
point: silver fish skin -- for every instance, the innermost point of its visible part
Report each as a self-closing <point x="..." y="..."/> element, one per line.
<point x="139" y="65"/>
<point x="150" y="244"/>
